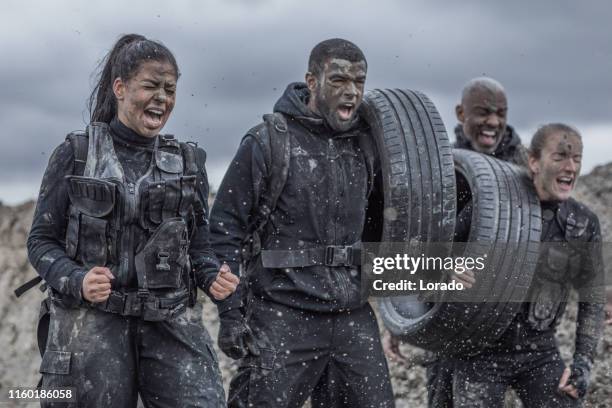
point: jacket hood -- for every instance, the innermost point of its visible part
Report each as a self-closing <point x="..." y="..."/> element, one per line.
<point x="294" y="101"/>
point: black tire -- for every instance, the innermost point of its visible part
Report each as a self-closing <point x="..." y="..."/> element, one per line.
<point x="417" y="176"/>
<point x="505" y="224"/>
<point x="416" y="161"/>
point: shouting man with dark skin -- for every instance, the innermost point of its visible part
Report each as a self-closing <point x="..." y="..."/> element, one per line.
<point x="292" y="208"/>
<point x="482" y="116"/>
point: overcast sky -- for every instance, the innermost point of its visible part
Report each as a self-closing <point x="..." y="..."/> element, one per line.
<point x="236" y="57"/>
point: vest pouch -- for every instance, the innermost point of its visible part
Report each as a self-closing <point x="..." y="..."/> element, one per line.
<point x="557" y="263"/>
<point x="162" y="202"/>
<point x="546" y="303"/>
<point x="161" y="262"/>
<point x="169" y="162"/>
<point x="92" y="244"/>
<point x="575" y="265"/>
<point x="188" y="195"/>
<point x="72" y="232"/>
<point x="155" y="202"/>
<point x="88" y="232"/>
<point x="167" y="199"/>
<point x="93" y="197"/>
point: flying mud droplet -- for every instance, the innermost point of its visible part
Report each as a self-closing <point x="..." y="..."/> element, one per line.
<point x="390" y="214"/>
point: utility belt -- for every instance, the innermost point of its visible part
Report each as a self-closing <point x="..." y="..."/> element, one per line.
<point x="331" y="255"/>
<point x="144" y="305"/>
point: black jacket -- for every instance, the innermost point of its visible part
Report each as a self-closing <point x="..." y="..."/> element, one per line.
<point x="509" y="149"/>
<point x="47" y="238"/>
<point x="578" y="265"/>
<point x="323" y="203"/>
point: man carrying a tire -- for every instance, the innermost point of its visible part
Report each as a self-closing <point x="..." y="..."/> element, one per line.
<point x="483" y="128"/>
<point x="292" y="208"/>
<point x="526" y="356"/>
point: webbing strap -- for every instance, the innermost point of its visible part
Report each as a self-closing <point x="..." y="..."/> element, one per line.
<point x="332" y="255"/>
<point x="27" y="286"/>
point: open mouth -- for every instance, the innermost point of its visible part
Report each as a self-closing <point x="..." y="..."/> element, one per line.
<point x="487" y="137"/>
<point x="154" y="117"/>
<point x="565" y="183"/>
<point x="345" y="111"/>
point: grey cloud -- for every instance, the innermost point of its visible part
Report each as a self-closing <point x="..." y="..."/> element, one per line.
<point x="236" y="58"/>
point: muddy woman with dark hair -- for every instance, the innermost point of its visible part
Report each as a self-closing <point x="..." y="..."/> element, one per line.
<point x="120" y="236"/>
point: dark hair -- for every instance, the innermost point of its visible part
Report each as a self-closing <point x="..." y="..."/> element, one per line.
<point x="333" y="48"/>
<point x="538" y="141"/>
<point x="123" y="61"/>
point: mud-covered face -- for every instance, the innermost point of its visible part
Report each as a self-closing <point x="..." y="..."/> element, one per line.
<point x="145" y="101"/>
<point x="337" y="92"/>
<point x="556" y="171"/>
<point x="483" y="116"/>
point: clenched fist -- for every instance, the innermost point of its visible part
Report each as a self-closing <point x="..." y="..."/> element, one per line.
<point x="97" y="284"/>
<point x="225" y="283"/>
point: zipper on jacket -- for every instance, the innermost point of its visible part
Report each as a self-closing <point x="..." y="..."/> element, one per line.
<point x="332" y="155"/>
<point x="341" y="278"/>
<point x="132" y="203"/>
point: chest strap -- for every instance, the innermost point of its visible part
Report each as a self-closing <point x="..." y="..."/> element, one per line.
<point x="331" y="255"/>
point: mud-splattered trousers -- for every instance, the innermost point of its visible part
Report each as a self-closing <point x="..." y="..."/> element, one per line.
<point x="334" y="357"/>
<point x="317" y="334"/>
<point x="110" y="359"/>
<point x="527" y="357"/>
<point x="142" y="337"/>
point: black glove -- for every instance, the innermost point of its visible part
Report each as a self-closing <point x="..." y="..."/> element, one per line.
<point x="580" y="376"/>
<point x="236" y="339"/>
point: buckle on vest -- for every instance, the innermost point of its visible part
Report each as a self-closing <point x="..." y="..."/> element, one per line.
<point x="162" y="264"/>
<point x="338" y="255"/>
<point x="115" y="302"/>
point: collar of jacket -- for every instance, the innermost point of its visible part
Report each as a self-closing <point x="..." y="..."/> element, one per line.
<point x="126" y="136"/>
<point x="319" y="127"/>
<point x="564" y="213"/>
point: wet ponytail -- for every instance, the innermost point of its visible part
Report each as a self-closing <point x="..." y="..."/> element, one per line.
<point x="123" y="61"/>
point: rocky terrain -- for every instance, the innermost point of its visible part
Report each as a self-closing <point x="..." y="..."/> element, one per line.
<point x="19" y="357"/>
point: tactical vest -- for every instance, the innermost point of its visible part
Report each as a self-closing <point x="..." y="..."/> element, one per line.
<point x="105" y="209"/>
<point x="558" y="265"/>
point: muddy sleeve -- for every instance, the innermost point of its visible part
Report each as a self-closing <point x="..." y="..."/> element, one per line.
<point x="232" y="210"/>
<point x="591" y="296"/>
<point x="46" y="241"/>
<point x="203" y="259"/>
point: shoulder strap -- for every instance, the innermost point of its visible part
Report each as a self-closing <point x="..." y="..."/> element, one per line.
<point x="280" y="155"/>
<point x="80" y="144"/>
<point x="366" y="144"/>
<point x="273" y="137"/>
<point x="193" y="157"/>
